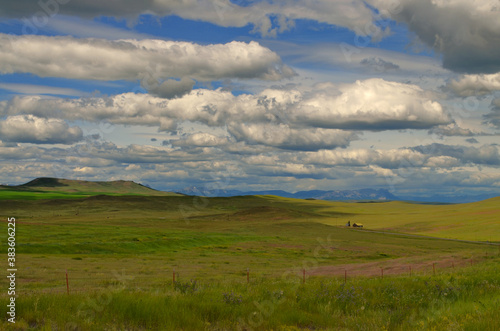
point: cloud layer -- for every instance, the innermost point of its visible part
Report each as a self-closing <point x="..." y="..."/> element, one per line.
<point x="467" y="33"/>
<point x="437" y="166"/>
<point x="149" y="61"/>
<point x="267" y="17"/>
<point x="281" y="118"/>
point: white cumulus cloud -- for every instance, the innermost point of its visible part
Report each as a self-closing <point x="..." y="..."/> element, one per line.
<point x="471" y="85"/>
<point x="284" y="137"/>
<point x="150" y="61"/>
<point x="31" y="129"/>
<point x="373" y="104"/>
<point x="202" y="139"/>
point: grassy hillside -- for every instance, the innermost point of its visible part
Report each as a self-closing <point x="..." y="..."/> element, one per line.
<point x="55" y="188"/>
<point x="471" y="221"/>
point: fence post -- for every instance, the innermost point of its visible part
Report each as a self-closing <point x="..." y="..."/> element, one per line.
<point x="67" y="282"/>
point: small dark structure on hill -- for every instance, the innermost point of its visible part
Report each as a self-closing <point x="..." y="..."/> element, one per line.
<point x="357" y="225"/>
<point x="348" y="223"/>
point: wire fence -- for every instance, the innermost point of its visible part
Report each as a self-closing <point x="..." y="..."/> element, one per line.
<point x="76" y="281"/>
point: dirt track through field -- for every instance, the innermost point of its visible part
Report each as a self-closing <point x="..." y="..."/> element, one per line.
<point x="394" y="267"/>
<point x="400" y="266"/>
<point x="429" y="237"/>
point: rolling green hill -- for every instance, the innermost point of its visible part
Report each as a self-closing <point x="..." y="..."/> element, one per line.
<point x="54" y="188"/>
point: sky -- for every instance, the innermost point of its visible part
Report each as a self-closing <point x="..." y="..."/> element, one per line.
<point x="402" y="95"/>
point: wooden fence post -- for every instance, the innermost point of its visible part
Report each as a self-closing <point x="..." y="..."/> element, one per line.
<point x="67" y="282"/>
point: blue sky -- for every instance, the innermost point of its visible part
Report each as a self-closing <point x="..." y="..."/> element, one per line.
<point x="292" y="95"/>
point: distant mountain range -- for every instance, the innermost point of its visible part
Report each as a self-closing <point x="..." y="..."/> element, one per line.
<point x="337" y="195"/>
<point x="450" y="199"/>
<point x="341" y="195"/>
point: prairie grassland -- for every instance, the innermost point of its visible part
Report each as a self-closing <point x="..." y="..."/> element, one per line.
<point x="120" y="253"/>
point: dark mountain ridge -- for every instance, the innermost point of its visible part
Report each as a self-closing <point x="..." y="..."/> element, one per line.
<point x="334" y="195"/>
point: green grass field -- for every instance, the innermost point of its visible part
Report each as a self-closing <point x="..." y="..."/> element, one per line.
<point x="121" y="249"/>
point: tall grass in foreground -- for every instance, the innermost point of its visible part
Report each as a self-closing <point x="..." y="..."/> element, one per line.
<point x="468" y="299"/>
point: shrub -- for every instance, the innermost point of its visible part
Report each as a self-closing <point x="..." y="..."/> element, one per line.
<point x="186" y="287"/>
